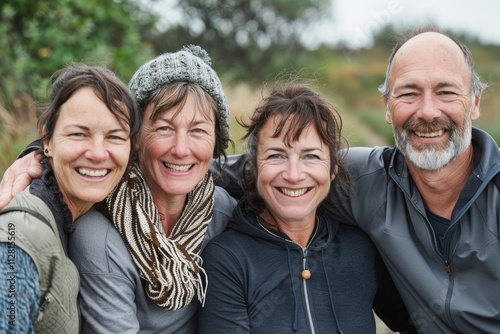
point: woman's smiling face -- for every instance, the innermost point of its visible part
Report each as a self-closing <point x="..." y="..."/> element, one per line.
<point x="89" y="150"/>
<point x="292" y="179"/>
<point x="176" y="149"/>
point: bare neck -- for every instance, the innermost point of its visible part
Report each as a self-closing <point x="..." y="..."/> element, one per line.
<point x="300" y="233"/>
<point x="441" y="189"/>
<point x="170" y="210"/>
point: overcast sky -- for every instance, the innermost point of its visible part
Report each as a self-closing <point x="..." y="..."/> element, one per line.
<point x="354" y="21"/>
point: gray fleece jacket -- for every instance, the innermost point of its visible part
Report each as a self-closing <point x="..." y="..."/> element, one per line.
<point x="112" y="297"/>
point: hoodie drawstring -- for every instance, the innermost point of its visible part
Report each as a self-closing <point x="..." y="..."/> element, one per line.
<point x="330" y="293"/>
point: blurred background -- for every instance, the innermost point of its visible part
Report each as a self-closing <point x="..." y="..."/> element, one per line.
<point x="339" y="46"/>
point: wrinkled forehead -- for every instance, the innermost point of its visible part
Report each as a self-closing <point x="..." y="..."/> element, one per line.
<point x="193" y="104"/>
<point x="432" y="52"/>
<point x="430" y="46"/>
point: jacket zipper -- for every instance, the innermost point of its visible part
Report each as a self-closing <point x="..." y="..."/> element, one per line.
<point x="433" y="235"/>
<point x="48" y="298"/>
<point x="447" y="264"/>
<point x="305" y="266"/>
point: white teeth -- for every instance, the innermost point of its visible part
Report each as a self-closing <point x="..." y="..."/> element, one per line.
<point x="294" y="193"/>
<point x="429" y="134"/>
<point x="178" y="168"/>
<point x="93" y="173"/>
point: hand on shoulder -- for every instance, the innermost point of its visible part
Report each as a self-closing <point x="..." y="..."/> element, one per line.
<point x="18" y="176"/>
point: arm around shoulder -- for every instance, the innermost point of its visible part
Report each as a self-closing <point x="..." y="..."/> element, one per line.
<point x="225" y="308"/>
<point x="388" y="304"/>
<point x="18" y="176"/>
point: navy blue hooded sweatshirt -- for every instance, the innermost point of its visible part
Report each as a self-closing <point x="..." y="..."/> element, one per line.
<point x="255" y="283"/>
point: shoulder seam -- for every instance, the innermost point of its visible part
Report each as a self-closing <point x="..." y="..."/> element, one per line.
<point x="30" y="211"/>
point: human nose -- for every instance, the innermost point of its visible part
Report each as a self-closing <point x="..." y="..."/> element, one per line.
<point x="428" y="110"/>
<point x="293" y="172"/>
<point x="97" y="150"/>
<point x="180" y="148"/>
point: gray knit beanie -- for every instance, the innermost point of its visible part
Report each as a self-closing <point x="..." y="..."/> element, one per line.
<point x="190" y="64"/>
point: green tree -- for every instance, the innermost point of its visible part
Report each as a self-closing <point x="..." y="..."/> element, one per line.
<point x="250" y="39"/>
<point x="40" y="37"/>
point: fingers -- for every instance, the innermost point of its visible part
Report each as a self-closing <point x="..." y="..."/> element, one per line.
<point x="6" y="187"/>
<point x="18" y="176"/>
<point x="35" y="168"/>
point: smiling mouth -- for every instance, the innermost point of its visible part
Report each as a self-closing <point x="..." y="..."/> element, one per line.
<point x="293" y="192"/>
<point x="429" y="134"/>
<point x="93" y="173"/>
<point x="177" y="168"/>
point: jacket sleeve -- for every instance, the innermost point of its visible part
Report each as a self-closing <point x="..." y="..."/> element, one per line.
<point x="107" y="287"/>
<point x="231" y="176"/>
<point x="225" y="309"/>
<point x="33" y="146"/>
<point x="388" y="304"/>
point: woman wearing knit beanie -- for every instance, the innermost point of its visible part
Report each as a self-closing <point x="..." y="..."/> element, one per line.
<point x="141" y="269"/>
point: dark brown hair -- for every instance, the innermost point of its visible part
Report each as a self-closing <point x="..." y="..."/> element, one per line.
<point x="299" y="106"/>
<point x="114" y="93"/>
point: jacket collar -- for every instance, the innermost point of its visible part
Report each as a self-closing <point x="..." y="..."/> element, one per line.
<point x="246" y="222"/>
<point x="486" y="167"/>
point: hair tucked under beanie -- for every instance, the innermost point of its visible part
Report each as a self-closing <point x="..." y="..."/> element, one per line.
<point x="190" y="64"/>
<point x="171" y="265"/>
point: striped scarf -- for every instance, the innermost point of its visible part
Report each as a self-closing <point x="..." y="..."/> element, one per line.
<point x="170" y="266"/>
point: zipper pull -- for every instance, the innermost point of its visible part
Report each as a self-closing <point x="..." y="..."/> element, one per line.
<point x="448" y="267"/>
<point x="306" y="273"/>
<point x="46" y="302"/>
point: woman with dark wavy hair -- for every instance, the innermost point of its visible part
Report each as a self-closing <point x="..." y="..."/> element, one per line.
<point x="283" y="266"/>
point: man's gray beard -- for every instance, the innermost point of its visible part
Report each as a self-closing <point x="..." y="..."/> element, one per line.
<point x="431" y="158"/>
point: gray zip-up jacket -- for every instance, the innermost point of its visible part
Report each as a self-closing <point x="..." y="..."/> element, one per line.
<point x="112" y="297"/>
<point x="453" y="290"/>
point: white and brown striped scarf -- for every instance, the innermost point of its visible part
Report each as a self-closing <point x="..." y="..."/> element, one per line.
<point x="170" y="266"/>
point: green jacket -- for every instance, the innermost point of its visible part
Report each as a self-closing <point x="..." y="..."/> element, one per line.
<point x="58" y="277"/>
